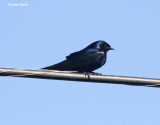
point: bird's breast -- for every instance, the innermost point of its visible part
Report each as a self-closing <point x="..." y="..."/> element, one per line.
<point x="102" y="60"/>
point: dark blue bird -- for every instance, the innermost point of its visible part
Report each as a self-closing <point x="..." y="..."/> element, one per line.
<point x="86" y="60"/>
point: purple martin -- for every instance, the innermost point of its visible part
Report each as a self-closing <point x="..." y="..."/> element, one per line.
<point x="86" y="60"/>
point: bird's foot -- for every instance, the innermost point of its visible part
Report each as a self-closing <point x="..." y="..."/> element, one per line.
<point x="87" y="74"/>
<point x="95" y="73"/>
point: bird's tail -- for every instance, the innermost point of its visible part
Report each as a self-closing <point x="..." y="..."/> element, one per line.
<point x="63" y="66"/>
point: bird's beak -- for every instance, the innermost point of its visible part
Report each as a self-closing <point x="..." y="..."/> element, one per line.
<point x="110" y="48"/>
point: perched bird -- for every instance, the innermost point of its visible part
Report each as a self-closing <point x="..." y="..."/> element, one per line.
<point x="86" y="60"/>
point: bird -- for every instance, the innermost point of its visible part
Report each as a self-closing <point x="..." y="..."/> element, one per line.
<point x="86" y="60"/>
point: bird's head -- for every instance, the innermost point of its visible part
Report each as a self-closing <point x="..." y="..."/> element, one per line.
<point x="101" y="45"/>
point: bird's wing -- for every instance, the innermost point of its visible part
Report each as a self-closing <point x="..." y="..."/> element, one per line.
<point x="77" y="60"/>
<point x="84" y="55"/>
<point x="75" y="54"/>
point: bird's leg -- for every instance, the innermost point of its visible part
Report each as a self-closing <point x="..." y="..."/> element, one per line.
<point x="95" y="73"/>
<point x="87" y="74"/>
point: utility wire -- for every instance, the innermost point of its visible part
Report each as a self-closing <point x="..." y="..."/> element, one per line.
<point x="75" y="76"/>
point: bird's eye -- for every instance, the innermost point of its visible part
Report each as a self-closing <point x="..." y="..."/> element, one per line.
<point x="105" y="45"/>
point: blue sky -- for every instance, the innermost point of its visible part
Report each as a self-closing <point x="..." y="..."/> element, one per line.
<point x="44" y="32"/>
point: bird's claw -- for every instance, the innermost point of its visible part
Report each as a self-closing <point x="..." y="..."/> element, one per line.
<point x="87" y="74"/>
<point x="95" y="73"/>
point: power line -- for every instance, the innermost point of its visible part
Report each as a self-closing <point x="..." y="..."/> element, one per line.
<point x="75" y="76"/>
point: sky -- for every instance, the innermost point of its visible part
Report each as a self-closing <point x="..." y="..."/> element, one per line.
<point x="44" y="32"/>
